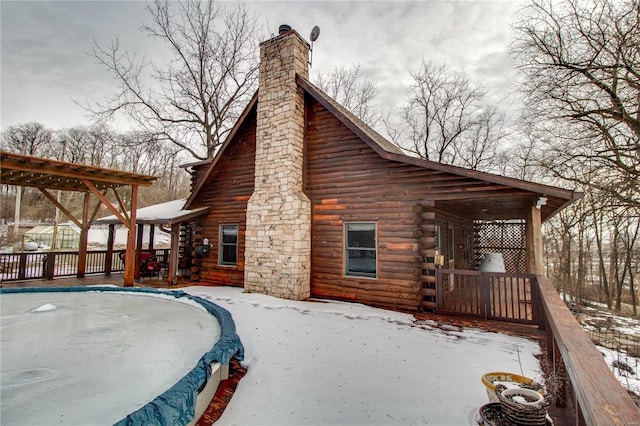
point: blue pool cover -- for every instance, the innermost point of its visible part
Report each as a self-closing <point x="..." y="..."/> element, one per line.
<point x="177" y="405"/>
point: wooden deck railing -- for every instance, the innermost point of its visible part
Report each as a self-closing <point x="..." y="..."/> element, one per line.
<point x="54" y="264"/>
<point x="590" y="392"/>
<point x="488" y="295"/>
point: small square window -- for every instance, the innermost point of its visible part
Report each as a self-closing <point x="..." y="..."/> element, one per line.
<point x="361" y="250"/>
<point x="228" y="246"/>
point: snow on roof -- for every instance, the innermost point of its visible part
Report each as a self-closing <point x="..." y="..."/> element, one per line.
<point x="48" y="229"/>
<point x="163" y="213"/>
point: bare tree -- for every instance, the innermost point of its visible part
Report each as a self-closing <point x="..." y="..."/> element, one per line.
<point x="92" y="145"/>
<point x="521" y="160"/>
<point x="580" y="63"/>
<point x="143" y="154"/>
<point x="446" y="119"/>
<point x="193" y="99"/>
<point x="29" y="138"/>
<point x="351" y="89"/>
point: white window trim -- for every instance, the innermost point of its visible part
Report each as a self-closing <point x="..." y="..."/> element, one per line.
<point x="345" y="270"/>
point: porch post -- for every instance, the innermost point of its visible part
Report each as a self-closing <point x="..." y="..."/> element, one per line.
<point x="175" y="247"/>
<point x="152" y="230"/>
<point x="139" y="239"/>
<point x="534" y="241"/>
<point x="108" y="264"/>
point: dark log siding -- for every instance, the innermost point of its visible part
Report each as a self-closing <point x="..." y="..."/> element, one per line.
<point x="347" y="181"/>
<point x="227" y="191"/>
<point x="197" y="174"/>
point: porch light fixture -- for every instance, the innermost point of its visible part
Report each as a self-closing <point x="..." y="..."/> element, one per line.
<point x="542" y="201"/>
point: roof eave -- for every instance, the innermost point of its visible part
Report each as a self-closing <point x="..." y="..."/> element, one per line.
<point x="214" y="161"/>
<point x="537" y="188"/>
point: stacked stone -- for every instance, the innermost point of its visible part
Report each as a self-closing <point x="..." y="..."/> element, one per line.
<point x="278" y="233"/>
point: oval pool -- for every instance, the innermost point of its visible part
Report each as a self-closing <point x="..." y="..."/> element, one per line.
<point x="103" y="355"/>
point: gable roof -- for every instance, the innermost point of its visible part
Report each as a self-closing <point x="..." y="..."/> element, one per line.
<point x="387" y="150"/>
<point x="558" y="198"/>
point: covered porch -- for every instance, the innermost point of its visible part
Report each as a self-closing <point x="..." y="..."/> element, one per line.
<point x="495" y="217"/>
<point x="170" y="218"/>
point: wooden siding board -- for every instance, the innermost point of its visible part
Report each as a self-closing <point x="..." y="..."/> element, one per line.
<point x="362" y="186"/>
<point x="228" y="189"/>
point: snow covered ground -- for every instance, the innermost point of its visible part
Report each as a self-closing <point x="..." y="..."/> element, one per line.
<point x="619" y="339"/>
<point x="332" y="363"/>
<point x="328" y="363"/>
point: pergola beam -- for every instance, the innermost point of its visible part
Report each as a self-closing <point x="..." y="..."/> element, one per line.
<point x="105" y="201"/>
<point x="61" y="207"/>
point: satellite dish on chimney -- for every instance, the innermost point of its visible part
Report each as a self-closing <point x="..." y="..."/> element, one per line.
<point x="315" y="33"/>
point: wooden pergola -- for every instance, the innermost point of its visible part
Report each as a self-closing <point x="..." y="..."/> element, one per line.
<point x="46" y="174"/>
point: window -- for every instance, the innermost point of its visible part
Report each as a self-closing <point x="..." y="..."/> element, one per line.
<point x="228" y="250"/>
<point x="361" y="249"/>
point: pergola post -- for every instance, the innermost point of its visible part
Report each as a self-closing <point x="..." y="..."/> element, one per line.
<point x="534" y="241"/>
<point x="129" y="266"/>
<point x="84" y="237"/>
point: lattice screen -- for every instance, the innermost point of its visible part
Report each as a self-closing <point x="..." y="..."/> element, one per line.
<point x="507" y="237"/>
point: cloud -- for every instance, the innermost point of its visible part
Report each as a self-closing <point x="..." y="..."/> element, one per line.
<point x="45" y="44"/>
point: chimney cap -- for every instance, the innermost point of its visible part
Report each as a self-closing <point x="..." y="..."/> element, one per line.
<point x="283" y="29"/>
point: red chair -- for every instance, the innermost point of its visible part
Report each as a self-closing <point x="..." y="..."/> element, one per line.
<point x="151" y="268"/>
<point x="149" y="265"/>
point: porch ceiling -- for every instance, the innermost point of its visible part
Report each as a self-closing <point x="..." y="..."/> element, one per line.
<point x="500" y="207"/>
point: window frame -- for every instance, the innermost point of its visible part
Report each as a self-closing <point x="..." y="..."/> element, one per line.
<point x="350" y="274"/>
<point x="222" y="244"/>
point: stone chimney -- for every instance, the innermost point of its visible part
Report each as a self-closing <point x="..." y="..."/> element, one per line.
<point x="278" y="233"/>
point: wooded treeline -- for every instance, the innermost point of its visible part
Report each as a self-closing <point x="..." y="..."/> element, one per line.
<point x="95" y="145"/>
<point x="579" y="68"/>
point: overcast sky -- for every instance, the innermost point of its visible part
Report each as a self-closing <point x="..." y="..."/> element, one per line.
<point x="45" y="65"/>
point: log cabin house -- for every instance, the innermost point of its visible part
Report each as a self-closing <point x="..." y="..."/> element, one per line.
<point x="305" y="200"/>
